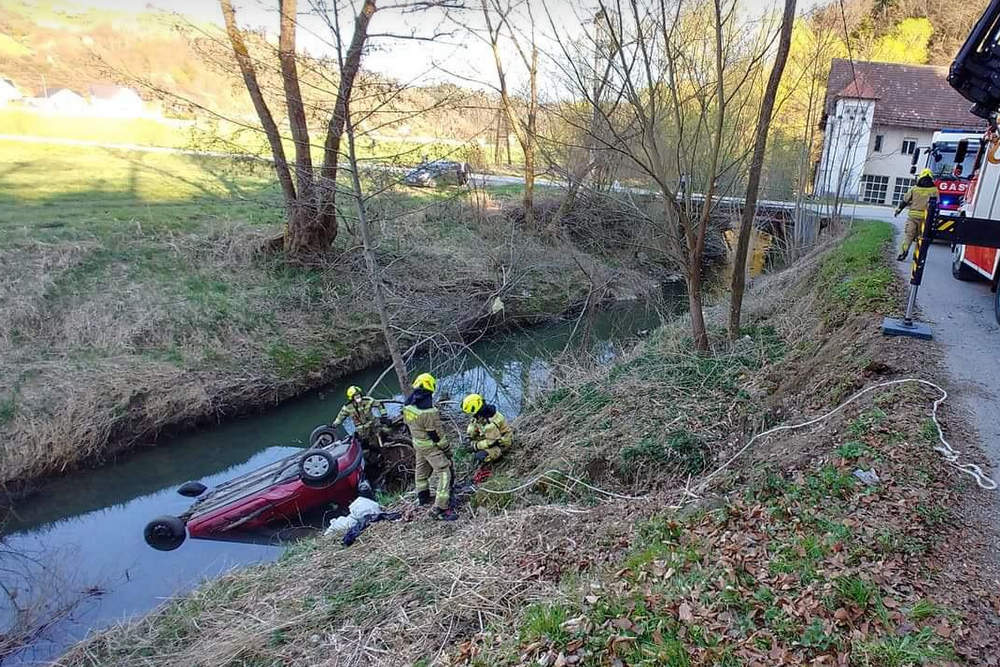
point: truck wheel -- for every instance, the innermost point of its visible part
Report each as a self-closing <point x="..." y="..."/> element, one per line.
<point x="317" y="466"/>
<point x="192" y="489"/>
<point x="959" y="269"/>
<point x="996" y="305"/>
<point x="165" y="533"/>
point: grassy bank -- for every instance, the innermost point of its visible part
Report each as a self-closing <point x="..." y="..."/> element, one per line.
<point x="781" y="557"/>
<point x="133" y="297"/>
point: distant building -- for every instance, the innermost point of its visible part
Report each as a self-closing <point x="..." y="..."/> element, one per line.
<point x="116" y="101"/>
<point x="8" y="92"/>
<point x="62" y="100"/>
<point x="875" y="116"/>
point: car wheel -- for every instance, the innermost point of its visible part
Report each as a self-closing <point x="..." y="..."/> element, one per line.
<point x="165" y="533"/>
<point x="959" y="269"/>
<point x="322" y="436"/>
<point x="192" y="489"/>
<point x="317" y="466"/>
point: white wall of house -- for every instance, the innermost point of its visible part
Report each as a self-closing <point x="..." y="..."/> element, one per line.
<point x="848" y="134"/>
<point x="890" y="164"/>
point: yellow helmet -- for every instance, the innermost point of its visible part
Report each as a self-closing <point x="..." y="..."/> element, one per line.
<point x="353" y="391"/>
<point x="425" y="381"/>
<point x="472" y="404"/>
<point x="927" y="172"/>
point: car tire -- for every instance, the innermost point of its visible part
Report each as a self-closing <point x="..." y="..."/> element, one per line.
<point x="959" y="269"/>
<point x="192" y="489"/>
<point x="322" y="436"/>
<point x="165" y="533"/>
<point x="317" y="466"/>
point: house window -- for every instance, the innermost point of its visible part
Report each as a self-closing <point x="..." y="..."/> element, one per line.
<point x="900" y="189"/>
<point x="909" y="145"/>
<point x="878" y="143"/>
<point x="873" y="188"/>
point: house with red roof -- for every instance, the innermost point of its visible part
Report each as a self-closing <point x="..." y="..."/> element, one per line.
<point x="874" y="117"/>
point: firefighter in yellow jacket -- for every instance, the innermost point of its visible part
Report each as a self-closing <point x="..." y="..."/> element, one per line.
<point x="916" y="198"/>
<point x="431" y="450"/>
<point x="489" y="433"/>
<point x="360" y="409"/>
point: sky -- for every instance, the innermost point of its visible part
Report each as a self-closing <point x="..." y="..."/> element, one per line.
<point x="460" y="58"/>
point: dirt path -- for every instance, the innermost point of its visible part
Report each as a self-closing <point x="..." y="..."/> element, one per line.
<point x="962" y="322"/>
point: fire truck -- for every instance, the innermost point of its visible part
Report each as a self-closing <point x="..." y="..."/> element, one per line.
<point x="974" y="229"/>
<point x="975" y="232"/>
<point x="951" y="176"/>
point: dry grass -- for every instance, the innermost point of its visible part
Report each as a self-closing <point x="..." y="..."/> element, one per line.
<point x="108" y="339"/>
<point x="403" y="594"/>
<point x="410" y="593"/>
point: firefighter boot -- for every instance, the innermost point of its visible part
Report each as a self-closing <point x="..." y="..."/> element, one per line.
<point x="424" y="497"/>
<point x="444" y="515"/>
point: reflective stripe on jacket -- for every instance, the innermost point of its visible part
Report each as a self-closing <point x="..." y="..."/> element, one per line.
<point x="360" y="414"/>
<point x="493" y="430"/>
<point x="421" y="422"/>
<point x="918" y="197"/>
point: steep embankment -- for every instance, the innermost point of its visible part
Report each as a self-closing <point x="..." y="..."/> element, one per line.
<point x="780" y="557"/>
<point x="138" y="301"/>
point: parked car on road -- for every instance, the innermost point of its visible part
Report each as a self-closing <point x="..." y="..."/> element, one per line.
<point x="438" y="172"/>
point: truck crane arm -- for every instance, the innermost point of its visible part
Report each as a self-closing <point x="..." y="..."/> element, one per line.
<point x="975" y="72"/>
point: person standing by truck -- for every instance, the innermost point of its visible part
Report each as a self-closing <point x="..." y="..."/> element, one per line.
<point x="433" y="456"/>
<point x="916" y="198"/>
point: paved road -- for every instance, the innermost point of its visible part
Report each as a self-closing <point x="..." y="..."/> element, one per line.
<point x="962" y="321"/>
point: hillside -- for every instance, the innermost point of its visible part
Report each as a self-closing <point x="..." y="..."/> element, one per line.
<point x="662" y="540"/>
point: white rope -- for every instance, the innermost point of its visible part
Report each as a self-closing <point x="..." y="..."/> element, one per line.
<point x="548" y="476"/>
<point x="950" y="455"/>
<point x="945" y="449"/>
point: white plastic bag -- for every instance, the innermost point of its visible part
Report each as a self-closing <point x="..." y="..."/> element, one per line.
<point x="341" y="525"/>
<point x="362" y="507"/>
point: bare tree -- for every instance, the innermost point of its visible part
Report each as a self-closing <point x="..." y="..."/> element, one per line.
<point x="310" y="202"/>
<point x="756" y="166"/>
<point x="680" y="89"/>
<point x="498" y="16"/>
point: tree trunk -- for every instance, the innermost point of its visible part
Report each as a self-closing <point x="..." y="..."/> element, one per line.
<point x="293" y="99"/>
<point x="246" y="66"/>
<point x="756" y="166"/>
<point x="696" y="246"/>
<point x="323" y="229"/>
<point x="371" y="262"/>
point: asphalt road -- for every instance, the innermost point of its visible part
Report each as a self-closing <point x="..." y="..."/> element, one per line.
<point x="961" y="318"/>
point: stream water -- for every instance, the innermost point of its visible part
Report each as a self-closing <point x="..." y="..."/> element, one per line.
<point x="81" y="536"/>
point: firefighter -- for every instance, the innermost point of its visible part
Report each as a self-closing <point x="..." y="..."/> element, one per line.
<point x="430" y="447"/>
<point x="916" y="199"/>
<point x="360" y="409"/>
<point x="489" y="433"/>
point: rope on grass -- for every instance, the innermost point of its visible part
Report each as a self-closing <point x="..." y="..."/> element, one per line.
<point x="945" y="449"/>
<point x="950" y="455"/>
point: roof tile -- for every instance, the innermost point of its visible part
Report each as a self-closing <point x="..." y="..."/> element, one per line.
<point x="910" y="95"/>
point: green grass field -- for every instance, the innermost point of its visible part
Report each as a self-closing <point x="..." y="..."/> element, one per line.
<point x="124" y="272"/>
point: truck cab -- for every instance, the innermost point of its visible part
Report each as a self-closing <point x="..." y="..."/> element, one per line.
<point x="951" y="176"/>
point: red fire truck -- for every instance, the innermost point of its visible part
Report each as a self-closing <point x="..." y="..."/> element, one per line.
<point x="951" y="176"/>
<point x="982" y="200"/>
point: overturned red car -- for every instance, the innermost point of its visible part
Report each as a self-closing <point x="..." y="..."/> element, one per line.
<point x="328" y="475"/>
